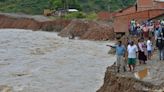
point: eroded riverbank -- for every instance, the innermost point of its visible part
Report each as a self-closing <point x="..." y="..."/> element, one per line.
<point x="146" y="78"/>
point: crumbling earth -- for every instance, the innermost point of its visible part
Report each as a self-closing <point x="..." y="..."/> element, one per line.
<point x="92" y="30"/>
<point x="146" y="78"/>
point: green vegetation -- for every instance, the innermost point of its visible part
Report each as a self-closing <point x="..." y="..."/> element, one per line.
<point x="91" y="16"/>
<point x="37" y="6"/>
<point x="75" y="15"/>
<point x="24" y="6"/>
<point x="81" y="15"/>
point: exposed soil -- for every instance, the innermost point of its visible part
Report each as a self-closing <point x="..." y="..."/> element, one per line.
<point x="116" y="83"/>
<point x="99" y="31"/>
<point x="84" y="29"/>
<point x="30" y="22"/>
<point x="22" y="23"/>
<point x="91" y="30"/>
<point x="146" y="78"/>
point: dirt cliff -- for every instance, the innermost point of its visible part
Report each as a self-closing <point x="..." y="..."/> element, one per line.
<point x="31" y="22"/>
<point x="85" y="29"/>
<point x="147" y="78"/>
<point x="22" y="23"/>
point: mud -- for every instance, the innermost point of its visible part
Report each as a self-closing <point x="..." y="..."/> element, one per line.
<point x="83" y="29"/>
<point x="92" y="30"/>
<point x="30" y="22"/>
<point x="146" y="78"/>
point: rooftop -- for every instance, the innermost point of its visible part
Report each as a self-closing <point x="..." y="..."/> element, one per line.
<point x="159" y="0"/>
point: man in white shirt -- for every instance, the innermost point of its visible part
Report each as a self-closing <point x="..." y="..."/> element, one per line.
<point x="132" y="55"/>
<point x="149" y="48"/>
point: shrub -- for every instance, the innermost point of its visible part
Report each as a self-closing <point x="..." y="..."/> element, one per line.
<point x="91" y="16"/>
<point x="75" y="15"/>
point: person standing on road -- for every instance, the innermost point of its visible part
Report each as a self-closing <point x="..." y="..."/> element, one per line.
<point x="141" y="54"/>
<point x="160" y="46"/>
<point x="132" y="26"/>
<point x="132" y="55"/>
<point x="149" y="45"/>
<point x="120" y="53"/>
<point x="157" y="33"/>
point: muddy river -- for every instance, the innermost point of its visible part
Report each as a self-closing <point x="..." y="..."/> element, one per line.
<point x="44" y="62"/>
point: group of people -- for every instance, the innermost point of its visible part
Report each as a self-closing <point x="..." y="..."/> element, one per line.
<point x="143" y="49"/>
<point x="145" y="28"/>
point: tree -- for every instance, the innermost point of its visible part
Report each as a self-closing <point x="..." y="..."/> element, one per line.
<point x="65" y="4"/>
<point x="37" y="6"/>
<point x="56" y="3"/>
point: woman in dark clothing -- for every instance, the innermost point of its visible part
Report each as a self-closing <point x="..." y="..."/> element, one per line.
<point x="160" y="46"/>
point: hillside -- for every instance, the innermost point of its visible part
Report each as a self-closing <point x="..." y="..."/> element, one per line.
<point x="37" y="6"/>
<point x="105" y="5"/>
<point x="24" y="6"/>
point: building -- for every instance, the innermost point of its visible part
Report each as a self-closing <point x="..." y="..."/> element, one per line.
<point x="142" y="10"/>
<point x="149" y="4"/>
<point x="105" y="16"/>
